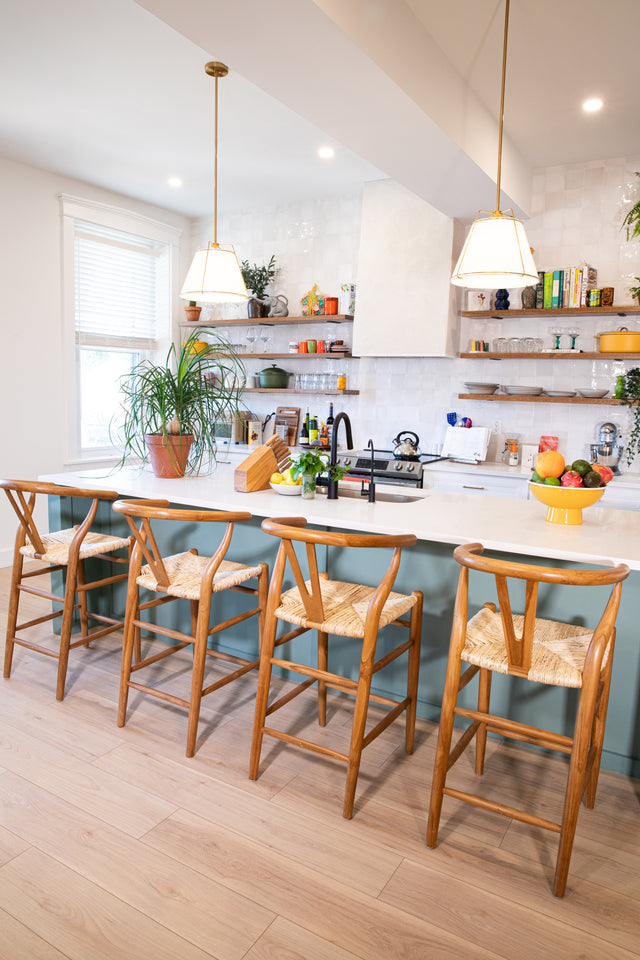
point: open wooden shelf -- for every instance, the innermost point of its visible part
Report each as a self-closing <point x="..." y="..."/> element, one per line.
<point x="620" y="311"/>
<point x="270" y="321"/>
<point x="547" y="355"/>
<point x="507" y="398"/>
<point x="295" y="393"/>
<point x="331" y="355"/>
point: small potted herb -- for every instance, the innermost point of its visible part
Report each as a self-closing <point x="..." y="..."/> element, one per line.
<point x="256" y="280"/>
<point x="192" y="311"/>
<point x="309" y="465"/>
<point x="635" y="291"/>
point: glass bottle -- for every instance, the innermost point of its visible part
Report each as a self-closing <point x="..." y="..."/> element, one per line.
<point x="330" y="419"/>
<point x="313" y="430"/>
<point x="304" y="432"/>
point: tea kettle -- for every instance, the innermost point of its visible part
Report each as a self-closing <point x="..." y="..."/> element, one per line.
<point x="406" y="449"/>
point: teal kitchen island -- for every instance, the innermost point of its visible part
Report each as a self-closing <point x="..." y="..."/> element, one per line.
<point x="516" y="529"/>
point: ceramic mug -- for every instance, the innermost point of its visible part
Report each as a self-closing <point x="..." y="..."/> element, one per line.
<point x="311" y="346"/>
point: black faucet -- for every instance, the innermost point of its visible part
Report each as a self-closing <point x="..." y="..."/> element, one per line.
<point x="372" y="486"/>
<point x="332" y="486"/>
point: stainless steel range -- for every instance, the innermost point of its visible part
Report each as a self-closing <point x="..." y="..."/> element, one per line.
<point x="386" y="468"/>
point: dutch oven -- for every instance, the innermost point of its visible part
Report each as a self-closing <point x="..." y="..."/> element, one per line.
<point x="620" y="341"/>
<point x="274" y="377"/>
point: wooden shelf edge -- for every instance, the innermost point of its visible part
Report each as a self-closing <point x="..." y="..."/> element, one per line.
<point x="621" y="310"/>
<point x="269" y="321"/>
<point x="295" y="393"/>
<point x="547" y="355"/>
<point x="332" y="355"/>
<point x="506" y="398"/>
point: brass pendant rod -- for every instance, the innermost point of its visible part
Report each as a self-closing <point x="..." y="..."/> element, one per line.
<point x="504" y="73"/>
<point x="215" y="166"/>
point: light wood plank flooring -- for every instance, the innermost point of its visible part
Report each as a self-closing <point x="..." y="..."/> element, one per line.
<point x="114" y="845"/>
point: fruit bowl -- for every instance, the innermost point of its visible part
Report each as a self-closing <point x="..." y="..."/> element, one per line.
<point x="565" y="504"/>
<point x="287" y="489"/>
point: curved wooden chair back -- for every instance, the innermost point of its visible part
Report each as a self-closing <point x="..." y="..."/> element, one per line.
<point x="22" y="496"/>
<point x="294" y="529"/>
<point x="519" y="648"/>
<point x="145" y="511"/>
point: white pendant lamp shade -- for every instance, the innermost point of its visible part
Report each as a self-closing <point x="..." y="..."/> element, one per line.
<point x="496" y="254"/>
<point x="214" y="276"/>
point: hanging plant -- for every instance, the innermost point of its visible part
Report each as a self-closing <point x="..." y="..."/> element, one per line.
<point x="631" y="397"/>
<point x="632" y="220"/>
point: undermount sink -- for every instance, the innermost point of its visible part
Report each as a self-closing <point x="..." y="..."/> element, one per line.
<point x="381" y="495"/>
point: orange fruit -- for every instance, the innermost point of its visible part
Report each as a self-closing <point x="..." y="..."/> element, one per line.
<point x="549" y="463"/>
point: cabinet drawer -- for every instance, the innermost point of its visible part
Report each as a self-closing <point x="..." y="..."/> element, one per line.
<point x="464" y="482"/>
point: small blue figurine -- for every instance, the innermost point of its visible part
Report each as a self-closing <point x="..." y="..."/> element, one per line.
<point x="502" y="299"/>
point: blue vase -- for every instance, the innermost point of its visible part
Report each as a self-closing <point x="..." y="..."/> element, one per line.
<point x="502" y="300"/>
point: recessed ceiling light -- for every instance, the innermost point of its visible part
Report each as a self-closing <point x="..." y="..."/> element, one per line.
<point x="326" y="153"/>
<point x="174" y="182"/>
<point x="593" y="105"/>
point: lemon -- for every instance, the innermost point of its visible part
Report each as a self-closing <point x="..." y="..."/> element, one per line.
<point x="276" y="478"/>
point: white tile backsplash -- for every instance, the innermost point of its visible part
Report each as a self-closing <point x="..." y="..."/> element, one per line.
<point x="577" y="211"/>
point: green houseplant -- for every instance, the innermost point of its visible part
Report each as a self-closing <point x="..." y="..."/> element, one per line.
<point x="170" y="409"/>
<point x="256" y="280"/>
<point x="635" y="291"/>
<point x="631" y="221"/>
<point x="308" y="465"/>
<point x="631" y="397"/>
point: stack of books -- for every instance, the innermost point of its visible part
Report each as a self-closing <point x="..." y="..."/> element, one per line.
<point x="565" y="288"/>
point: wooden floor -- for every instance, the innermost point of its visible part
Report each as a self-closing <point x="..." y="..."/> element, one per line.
<point x="114" y="845"/>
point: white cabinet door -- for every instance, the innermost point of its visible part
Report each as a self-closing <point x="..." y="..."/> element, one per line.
<point x="405" y="304"/>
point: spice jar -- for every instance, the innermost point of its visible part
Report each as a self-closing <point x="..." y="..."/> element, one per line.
<point x="342" y="381"/>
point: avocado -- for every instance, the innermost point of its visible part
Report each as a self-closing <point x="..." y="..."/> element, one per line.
<point x="592" y="479"/>
<point x="581" y="466"/>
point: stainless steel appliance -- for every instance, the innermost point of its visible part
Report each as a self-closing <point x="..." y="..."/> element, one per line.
<point x="386" y="468"/>
<point x="608" y="450"/>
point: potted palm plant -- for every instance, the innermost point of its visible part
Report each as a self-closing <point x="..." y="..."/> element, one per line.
<point x="256" y="280"/>
<point x="170" y="409"/>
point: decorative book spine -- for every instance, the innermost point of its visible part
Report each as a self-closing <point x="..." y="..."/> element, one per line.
<point x="540" y="290"/>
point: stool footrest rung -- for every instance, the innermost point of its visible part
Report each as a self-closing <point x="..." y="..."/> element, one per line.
<point x="512" y="812"/>
<point x="305" y="744"/>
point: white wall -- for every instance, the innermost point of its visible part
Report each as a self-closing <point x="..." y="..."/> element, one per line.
<point x="578" y="210"/>
<point x="32" y="388"/>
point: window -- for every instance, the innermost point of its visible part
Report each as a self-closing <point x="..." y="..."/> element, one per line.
<point x="118" y="286"/>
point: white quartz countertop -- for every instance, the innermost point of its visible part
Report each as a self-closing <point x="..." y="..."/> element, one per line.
<point x="510" y="525"/>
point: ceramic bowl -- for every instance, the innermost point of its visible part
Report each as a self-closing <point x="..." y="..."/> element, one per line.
<point x="287" y="489"/>
<point x="565" y="503"/>
<point x="480" y="388"/>
<point x="592" y="394"/>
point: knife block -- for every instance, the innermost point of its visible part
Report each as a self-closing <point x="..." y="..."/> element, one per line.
<point x="254" y="472"/>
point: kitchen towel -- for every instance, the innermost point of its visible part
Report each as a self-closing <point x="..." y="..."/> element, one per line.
<point x="468" y="446"/>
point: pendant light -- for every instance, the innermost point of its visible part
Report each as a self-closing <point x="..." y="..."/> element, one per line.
<point x="214" y="275"/>
<point x="496" y="252"/>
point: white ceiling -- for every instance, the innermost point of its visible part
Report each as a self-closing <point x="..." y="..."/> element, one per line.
<point x="106" y="92"/>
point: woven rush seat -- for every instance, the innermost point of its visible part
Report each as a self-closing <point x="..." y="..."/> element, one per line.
<point x="345" y="607"/>
<point x="185" y="575"/>
<point x="557" y="656"/>
<point x="57" y="546"/>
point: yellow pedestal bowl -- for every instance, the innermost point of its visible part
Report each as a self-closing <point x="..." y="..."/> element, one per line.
<point x="565" y="504"/>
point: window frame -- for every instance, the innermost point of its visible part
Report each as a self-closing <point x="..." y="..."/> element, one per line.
<point x="128" y="221"/>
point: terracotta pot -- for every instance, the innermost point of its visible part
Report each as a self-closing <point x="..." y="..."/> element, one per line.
<point x="193" y="313"/>
<point x="168" y="454"/>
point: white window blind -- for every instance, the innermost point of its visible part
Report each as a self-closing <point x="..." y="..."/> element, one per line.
<point x="118" y="285"/>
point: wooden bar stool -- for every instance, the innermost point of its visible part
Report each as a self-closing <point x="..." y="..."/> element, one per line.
<point x="543" y="651"/>
<point x="343" y="609"/>
<point x="190" y="577"/>
<point x="64" y="550"/>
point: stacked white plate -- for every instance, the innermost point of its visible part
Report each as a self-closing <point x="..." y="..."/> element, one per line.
<point x="592" y="394"/>
<point x="481" y="387"/>
<point x="523" y="391"/>
<point x="560" y="393"/>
